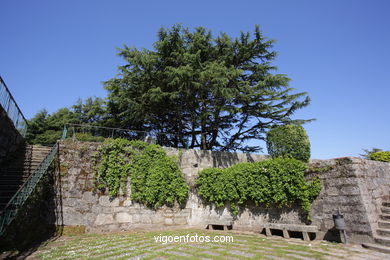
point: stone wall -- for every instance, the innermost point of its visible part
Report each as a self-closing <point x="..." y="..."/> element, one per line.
<point x="38" y="220"/>
<point x="10" y="138"/>
<point x="354" y="186"/>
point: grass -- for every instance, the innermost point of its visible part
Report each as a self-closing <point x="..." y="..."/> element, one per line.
<point x="143" y="244"/>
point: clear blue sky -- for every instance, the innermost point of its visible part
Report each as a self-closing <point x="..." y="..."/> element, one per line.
<point x="54" y="52"/>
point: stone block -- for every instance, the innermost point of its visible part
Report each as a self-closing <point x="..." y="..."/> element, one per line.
<point x="136" y="219"/>
<point x="350" y="190"/>
<point x="89" y="197"/>
<point x="123" y="217"/>
<point x="108" y="202"/>
<point x="168" y="221"/>
<point x="157" y="219"/>
<point x="104" y="219"/>
<point x="145" y="219"/>
<point x="72" y="217"/>
<point x="180" y="221"/>
<point x="127" y="203"/>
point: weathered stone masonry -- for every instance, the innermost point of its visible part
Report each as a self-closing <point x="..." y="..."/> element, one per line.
<point x="354" y="186"/>
<point x="10" y="138"/>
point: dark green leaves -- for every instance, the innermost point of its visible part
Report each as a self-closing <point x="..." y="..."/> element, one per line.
<point x="289" y="141"/>
<point x="278" y="182"/>
<point x="211" y="92"/>
<point x="155" y="178"/>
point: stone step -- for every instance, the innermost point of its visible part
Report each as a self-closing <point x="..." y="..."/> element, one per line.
<point x="8" y="192"/>
<point x="385" y="210"/>
<point x="383" y="232"/>
<point x="386" y="203"/>
<point x="21" y="168"/>
<point x="376" y="247"/>
<point x="384" y="216"/>
<point x="384" y="241"/>
<point x="4" y="199"/>
<point x="384" y="224"/>
<point x="14" y="164"/>
<point x="13" y="179"/>
<point x="35" y="146"/>
<point x="10" y="187"/>
<point x="15" y="173"/>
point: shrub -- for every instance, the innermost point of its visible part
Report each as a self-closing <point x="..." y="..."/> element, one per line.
<point x="383" y="156"/>
<point x="288" y="141"/>
<point x="367" y="153"/>
<point x="278" y="181"/>
<point x="156" y="179"/>
<point x="88" y="137"/>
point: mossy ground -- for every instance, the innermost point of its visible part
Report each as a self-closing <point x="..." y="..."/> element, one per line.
<point x="137" y="245"/>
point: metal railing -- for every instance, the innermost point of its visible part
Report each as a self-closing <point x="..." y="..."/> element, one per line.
<point x="8" y="103"/>
<point x="82" y="133"/>
<point x="16" y="202"/>
<point x="99" y="133"/>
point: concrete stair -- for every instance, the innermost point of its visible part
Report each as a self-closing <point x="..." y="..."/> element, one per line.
<point x="17" y="171"/>
<point x="382" y="236"/>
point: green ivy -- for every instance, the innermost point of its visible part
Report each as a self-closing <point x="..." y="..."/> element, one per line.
<point x="156" y="179"/>
<point x="383" y="156"/>
<point x="289" y="141"/>
<point x="278" y="182"/>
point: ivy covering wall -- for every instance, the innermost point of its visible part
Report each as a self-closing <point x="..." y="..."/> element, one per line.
<point x="155" y="178"/>
<point x="278" y="182"/>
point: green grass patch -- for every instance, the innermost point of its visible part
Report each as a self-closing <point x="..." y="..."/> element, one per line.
<point x="142" y="244"/>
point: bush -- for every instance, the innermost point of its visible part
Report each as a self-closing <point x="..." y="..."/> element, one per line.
<point x="383" y="156"/>
<point x="156" y="179"/>
<point x="288" y="141"/>
<point x="88" y="137"/>
<point x="278" y="181"/>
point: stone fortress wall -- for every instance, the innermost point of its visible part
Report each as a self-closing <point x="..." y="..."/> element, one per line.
<point x="354" y="186"/>
<point x="10" y="138"/>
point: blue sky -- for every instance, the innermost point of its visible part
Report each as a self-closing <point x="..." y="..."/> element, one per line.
<point x="54" y="52"/>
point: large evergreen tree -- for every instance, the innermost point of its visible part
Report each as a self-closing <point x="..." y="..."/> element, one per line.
<point x="212" y="93"/>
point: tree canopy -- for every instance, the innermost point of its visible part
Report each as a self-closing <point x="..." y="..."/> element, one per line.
<point x="208" y="92"/>
<point x="45" y="128"/>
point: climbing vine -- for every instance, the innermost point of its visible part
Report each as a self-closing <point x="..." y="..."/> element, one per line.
<point x="278" y="182"/>
<point x="155" y="178"/>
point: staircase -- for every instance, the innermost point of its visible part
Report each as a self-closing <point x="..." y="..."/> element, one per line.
<point x="17" y="171"/>
<point x="382" y="236"/>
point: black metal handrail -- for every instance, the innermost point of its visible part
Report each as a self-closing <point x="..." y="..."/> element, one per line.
<point x="8" y="103"/>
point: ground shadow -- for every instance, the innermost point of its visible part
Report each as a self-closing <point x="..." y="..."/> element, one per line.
<point x="38" y="221"/>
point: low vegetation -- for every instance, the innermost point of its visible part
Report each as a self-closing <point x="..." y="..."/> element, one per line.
<point x="279" y="182"/>
<point x="382" y="156"/>
<point x="155" y="178"/>
<point x="142" y="245"/>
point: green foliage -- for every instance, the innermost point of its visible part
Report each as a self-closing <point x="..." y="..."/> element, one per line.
<point x="367" y="153"/>
<point x="288" y="141"/>
<point x="383" y="156"/>
<point x="156" y="179"/>
<point x="213" y="92"/>
<point x="92" y="111"/>
<point x="278" y="181"/>
<point x="45" y="128"/>
<point x="88" y="137"/>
